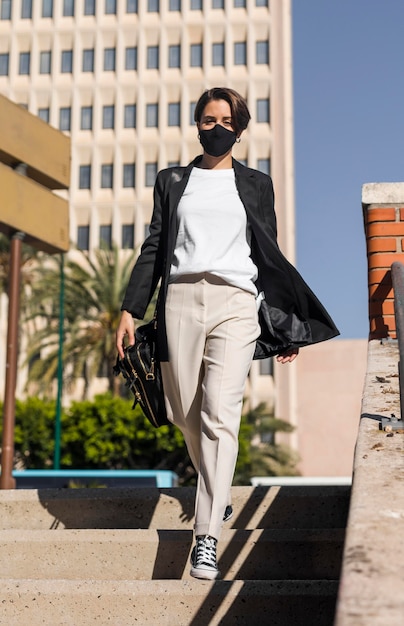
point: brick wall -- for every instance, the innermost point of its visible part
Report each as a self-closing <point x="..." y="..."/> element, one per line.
<point x="384" y="229"/>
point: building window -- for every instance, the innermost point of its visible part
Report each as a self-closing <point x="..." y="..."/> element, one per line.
<point x="196" y="5"/>
<point x="128" y="175"/>
<point x="174" y="114"/>
<point x="239" y="4"/>
<point x="128" y="236"/>
<point x="25" y="62"/>
<point x="173" y="163"/>
<point x="67" y="62"/>
<point x="261" y="3"/>
<point x="192" y="107"/>
<point x="264" y="166"/>
<point x="88" y="60"/>
<point x="5" y="10"/>
<point x="129" y="116"/>
<point x="131" y="6"/>
<point x="89" y="7"/>
<point x="110" y="7"/>
<point x="240" y="53"/>
<point x="151" y="173"/>
<point x="83" y="237"/>
<point x="131" y="58"/>
<point x="263" y="110"/>
<point x="65" y="117"/>
<point x="153" y="57"/>
<point x="217" y="4"/>
<point x="174" y="5"/>
<point x="45" y="62"/>
<point x="107" y="174"/>
<point x="47" y="8"/>
<point x="262" y="52"/>
<point x="152" y="115"/>
<point x="109" y="59"/>
<point x="196" y="55"/>
<point x="4" y="62"/>
<point x="68" y="8"/>
<point x="86" y="118"/>
<point x="174" y="56"/>
<point x="218" y="54"/>
<point x="85" y="177"/>
<point x="108" y="116"/>
<point x="26" y="9"/>
<point x="43" y="114"/>
<point x="106" y="236"/>
<point x="153" y="6"/>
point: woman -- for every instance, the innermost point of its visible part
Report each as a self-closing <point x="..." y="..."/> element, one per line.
<point x="227" y="296"/>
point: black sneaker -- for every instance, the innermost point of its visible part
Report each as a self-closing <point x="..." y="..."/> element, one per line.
<point x="228" y="513"/>
<point x="203" y="558"/>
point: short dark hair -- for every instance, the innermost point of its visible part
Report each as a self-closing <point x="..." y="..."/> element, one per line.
<point x="240" y="114"/>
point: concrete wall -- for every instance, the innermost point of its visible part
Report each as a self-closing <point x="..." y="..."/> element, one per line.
<point x="330" y="379"/>
<point x="371" y="586"/>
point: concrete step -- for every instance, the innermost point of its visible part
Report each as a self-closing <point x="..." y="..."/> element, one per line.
<point x="254" y="507"/>
<point x="164" y="554"/>
<point x="167" y="603"/>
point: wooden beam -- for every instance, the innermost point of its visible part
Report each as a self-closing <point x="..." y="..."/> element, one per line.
<point x="27" y="139"/>
<point x="28" y="207"/>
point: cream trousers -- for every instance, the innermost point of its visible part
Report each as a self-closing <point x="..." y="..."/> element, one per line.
<point x="212" y="328"/>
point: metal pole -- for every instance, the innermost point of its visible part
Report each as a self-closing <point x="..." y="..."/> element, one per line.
<point x="397" y="278"/>
<point x="56" y="456"/>
<point x="7" y="453"/>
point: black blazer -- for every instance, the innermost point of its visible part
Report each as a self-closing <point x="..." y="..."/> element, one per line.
<point x="290" y="315"/>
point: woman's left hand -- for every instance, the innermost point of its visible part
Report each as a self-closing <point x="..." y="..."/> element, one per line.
<point x="288" y="357"/>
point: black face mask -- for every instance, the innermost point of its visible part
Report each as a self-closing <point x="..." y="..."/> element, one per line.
<point x="218" y="140"/>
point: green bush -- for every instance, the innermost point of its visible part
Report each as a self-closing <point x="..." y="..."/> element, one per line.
<point x="106" y="433"/>
<point x="34" y="432"/>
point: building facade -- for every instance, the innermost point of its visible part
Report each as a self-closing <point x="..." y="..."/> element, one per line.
<point x="122" y="78"/>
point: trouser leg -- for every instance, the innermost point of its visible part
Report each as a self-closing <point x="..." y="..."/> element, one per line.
<point x="183" y="373"/>
<point x="232" y="331"/>
<point x="211" y="333"/>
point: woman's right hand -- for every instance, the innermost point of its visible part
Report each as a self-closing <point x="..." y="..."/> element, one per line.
<point x="126" y="328"/>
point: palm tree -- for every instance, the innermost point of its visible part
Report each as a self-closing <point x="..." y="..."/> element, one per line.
<point x="94" y="287"/>
<point x="260" y="454"/>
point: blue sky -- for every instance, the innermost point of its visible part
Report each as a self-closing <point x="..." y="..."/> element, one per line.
<point x="348" y="58"/>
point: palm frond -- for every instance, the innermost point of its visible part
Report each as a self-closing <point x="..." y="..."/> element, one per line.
<point x="93" y="292"/>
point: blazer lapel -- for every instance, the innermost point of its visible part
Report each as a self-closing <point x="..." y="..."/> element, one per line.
<point x="176" y="184"/>
<point x="247" y="188"/>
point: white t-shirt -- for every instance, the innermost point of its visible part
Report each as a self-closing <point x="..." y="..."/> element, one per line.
<point x="212" y="230"/>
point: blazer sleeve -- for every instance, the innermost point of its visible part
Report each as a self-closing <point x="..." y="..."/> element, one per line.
<point x="148" y="267"/>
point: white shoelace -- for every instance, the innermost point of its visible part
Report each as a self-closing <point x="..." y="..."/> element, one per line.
<point x="205" y="553"/>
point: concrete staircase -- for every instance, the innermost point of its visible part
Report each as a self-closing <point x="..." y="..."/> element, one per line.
<point x="121" y="557"/>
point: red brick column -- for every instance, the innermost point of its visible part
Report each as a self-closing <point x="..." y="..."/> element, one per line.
<point x="384" y="228"/>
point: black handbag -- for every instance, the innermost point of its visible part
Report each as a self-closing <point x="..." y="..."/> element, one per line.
<point x="141" y="369"/>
